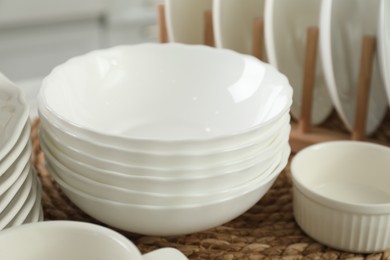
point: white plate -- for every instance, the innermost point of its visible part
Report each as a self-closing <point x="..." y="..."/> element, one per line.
<point x="27" y="206"/>
<point x="17" y="203"/>
<point x="286" y="23"/>
<point x="185" y="20"/>
<point x="233" y="23"/>
<point x="12" y="173"/>
<point x="11" y="192"/>
<point x="342" y="27"/>
<point x="384" y="43"/>
<point x="14" y="113"/>
<point x="16" y="151"/>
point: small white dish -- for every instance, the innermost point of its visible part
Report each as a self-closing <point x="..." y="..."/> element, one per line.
<point x="342" y="27"/>
<point x="185" y="20"/>
<point x="14" y="114"/>
<point x="341" y="194"/>
<point x="171" y="220"/>
<point x="63" y="240"/>
<point x="286" y="24"/>
<point x="384" y="43"/>
<point x="36" y="213"/>
<point x="233" y="23"/>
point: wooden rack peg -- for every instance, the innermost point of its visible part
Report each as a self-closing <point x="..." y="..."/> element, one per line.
<point x="363" y="87"/>
<point x="258" y="38"/>
<point x="208" y="28"/>
<point x="162" y="26"/>
<point x="304" y="123"/>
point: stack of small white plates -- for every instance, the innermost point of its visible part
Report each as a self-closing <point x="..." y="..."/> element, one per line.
<point x="20" y="190"/>
<point x="165" y="139"/>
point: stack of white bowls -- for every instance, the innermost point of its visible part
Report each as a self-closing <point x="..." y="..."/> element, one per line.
<point x="20" y="189"/>
<point x="165" y="139"/>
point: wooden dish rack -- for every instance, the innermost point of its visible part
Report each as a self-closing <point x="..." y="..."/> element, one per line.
<point x="303" y="133"/>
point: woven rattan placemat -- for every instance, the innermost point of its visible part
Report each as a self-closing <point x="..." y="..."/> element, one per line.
<point x="266" y="231"/>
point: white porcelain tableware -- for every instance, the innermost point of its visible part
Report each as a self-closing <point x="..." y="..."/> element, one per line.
<point x="109" y="96"/>
<point x="179" y="187"/>
<point x="384" y="43"/>
<point x="286" y="24"/>
<point x="341" y="194"/>
<point x="233" y="23"/>
<point x="343" y="24"/>
<point x="65" y="240"/>
<point x="8" y="178"/>
<point x="107" y="150"/>
<point x="185" y="20"/>
<point x="14" y="114"/>
<point x="17" y="202"/>
<point x="18" y="150"/>
<point x="171" y="220"/>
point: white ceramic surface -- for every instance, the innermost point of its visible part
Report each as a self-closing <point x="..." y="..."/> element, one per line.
<point x="104" y="150"/>
<point x="171" y="220"/>
<point x="17" y="150"/>
<point x="178" y="185"/>
<point x="113" y="190"/>
<point x="36" y="213"/>
<point x="341" y="195"/>
<point x="233" y="23"/>
<point x="12" y="173"/>
<point x="286" y="24"/>
<point x="27" y="206"/>
<point x="13" y="115"/>
<point x="342" y="27"/>
<point x="65" y="240"/>
<point x="10" y="193"/>
<point x="186" y="163"/>
<point x="230" y="94"/>
<point x="384" y="43"/>
<point x="185" y="20"/>
<point x="16" y="203"/>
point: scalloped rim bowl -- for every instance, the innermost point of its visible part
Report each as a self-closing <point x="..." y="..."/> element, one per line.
<point x="130" y="94"/>
<point x="64" y="240"/>
<point x="174" y="219"/>
<point x="341" y="194"/>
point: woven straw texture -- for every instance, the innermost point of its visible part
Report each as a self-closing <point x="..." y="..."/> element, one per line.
<point x="266" y="231"/>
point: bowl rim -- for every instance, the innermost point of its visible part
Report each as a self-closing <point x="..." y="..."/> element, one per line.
<point x="43" y="104"/>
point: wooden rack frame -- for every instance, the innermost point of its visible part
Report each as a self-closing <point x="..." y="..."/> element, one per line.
<point x="303" y="133"/>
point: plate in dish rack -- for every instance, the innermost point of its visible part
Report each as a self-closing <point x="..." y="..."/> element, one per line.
<point x="286" y="23"/>
<point x="384" y="43"/>
<point x="14" y="114"/>
<point x="343" y="24"/>
<point x="185" y="20"/>
<point x="233" y="23"/>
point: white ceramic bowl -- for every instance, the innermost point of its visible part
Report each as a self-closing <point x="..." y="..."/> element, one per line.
<point x="153" y="196"/>
<point x="147" y="96"/>
<point x="176" y="185"/>
<point x="171" y="220"/>
<point x="122" y="161"/>
<point x="63" y="240"/>
<point x="112" y="152"/>
<point x="341" y="194"/>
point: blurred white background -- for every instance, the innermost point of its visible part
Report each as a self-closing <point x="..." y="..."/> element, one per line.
<point x="37" y="35"/>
